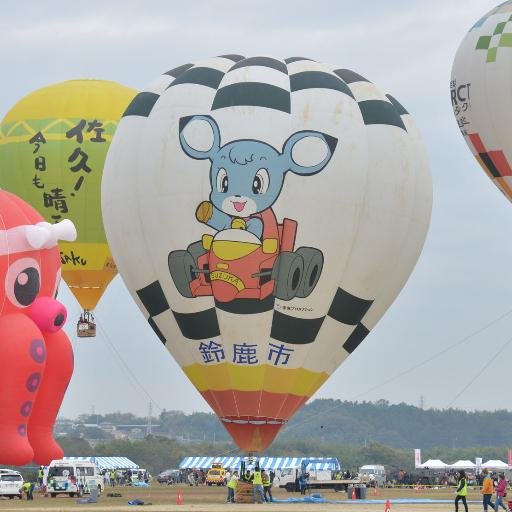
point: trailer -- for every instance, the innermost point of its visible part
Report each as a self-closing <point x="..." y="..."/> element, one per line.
<point x="336" y="485"/>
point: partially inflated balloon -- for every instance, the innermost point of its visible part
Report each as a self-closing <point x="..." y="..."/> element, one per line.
<point x="264" y="213"/>
<point x="481" y="93"/>
<point x="53" y="145"/>
<point x="36" y="358"/>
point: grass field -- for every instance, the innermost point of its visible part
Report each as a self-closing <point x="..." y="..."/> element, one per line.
<point x="213" y="499"/>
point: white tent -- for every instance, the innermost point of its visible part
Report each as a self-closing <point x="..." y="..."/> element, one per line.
<point x="495" y="464"/>
<point x="463" y="464"/>
<point x="434" y="464"/>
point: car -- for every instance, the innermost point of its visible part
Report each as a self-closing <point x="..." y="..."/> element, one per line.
<point x="217" y="475"/>
<point x="169" y="476"/>
<point x="10" y="483"/>
<point x="236" y="264"/>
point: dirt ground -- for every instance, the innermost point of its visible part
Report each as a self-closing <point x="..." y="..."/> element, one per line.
<point x="213" y="499"/>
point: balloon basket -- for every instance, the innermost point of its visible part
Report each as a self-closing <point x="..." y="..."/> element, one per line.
<point x="244" y="492"/>
<point x="86" y="327"/>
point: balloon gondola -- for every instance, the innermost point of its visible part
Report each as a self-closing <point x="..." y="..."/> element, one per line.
<point x="264" y="214"/>
<point x="86" y="325"/>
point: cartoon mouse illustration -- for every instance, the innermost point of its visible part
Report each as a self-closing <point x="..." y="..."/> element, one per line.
<point x="252" y="255"/>
<point x="247" y="176"/>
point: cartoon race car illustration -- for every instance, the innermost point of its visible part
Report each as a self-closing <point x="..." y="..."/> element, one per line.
<point x="251" y="256"/>
<point x="235" y="264"/>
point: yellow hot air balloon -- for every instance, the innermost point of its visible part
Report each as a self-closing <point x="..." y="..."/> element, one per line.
<point x="53" y="145"/>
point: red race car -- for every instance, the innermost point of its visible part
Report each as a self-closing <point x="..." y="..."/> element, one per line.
<point x="235" y="264"/>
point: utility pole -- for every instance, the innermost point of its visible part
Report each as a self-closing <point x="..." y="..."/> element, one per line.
<point x="149" y="425"/>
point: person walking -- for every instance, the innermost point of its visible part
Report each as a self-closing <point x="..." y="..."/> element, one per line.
<point x="257" y="486"/>
<point x="267" y="486"/>
<point x="232" y="483"/>
<point x="487" y="489"/>
<point x="501" y="492"/>
<point x="462" y="491"/>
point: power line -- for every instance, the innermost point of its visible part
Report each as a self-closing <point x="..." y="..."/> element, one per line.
<point x="484" y="367"/>
<point x="126" y="367"/>
<point x="412" y="368"/>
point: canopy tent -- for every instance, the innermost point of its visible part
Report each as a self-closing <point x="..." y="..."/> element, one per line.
<point x="108" y="462"/>
<point x="434" y="464"/>
<point x="463" y="464"/>
<point x="327" y="463"/>
<point x="494" y="464"/>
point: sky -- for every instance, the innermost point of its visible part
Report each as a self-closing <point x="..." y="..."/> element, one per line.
<point x="461" y="284"/>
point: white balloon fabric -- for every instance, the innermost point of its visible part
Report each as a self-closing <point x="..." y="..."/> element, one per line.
<point x="264" y="214"/>
<point x="481" y="93"/>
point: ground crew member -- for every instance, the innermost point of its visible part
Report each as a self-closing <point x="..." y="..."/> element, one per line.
<point x="257" y="486"/>
<point x="462" y="491"/>
<point x="113" y="476"/>
<point x="28" y="487"/>
<point x="267" y="486"/>
<point x="487" y="490"/>
<point x="232" y="482"/>
<point x="40" y="475"/>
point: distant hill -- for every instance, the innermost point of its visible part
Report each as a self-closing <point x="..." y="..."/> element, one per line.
<point x="333" y="422"/>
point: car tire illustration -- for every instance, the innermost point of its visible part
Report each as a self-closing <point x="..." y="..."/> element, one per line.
<point x="287" y="275"/>
<point x="313" y="264"/>
<point x="196" y="249"/>
<point x="182" y="266"/>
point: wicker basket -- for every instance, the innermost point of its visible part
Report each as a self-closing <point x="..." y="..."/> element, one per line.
<point x="244" y="493"/>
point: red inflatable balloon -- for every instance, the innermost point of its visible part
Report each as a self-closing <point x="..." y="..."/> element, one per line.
<point x="36" y="361"/>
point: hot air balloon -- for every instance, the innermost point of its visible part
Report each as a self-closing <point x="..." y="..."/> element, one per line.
<point x="481" y="93"/>
<point x="53" y="144"/>
<point x="264" y="214"/>
<point x="36" y="358"/>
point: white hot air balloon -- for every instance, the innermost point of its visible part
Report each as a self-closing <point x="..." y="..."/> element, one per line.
<point x="264" y="214"/>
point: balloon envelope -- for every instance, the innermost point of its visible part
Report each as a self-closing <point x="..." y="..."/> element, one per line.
<point x="53" y="144"/>
<point x="481" y="94"/>
<point x="264" y="214"/>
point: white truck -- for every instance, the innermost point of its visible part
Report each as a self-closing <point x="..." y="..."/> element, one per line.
<point x="10" y="484"/>
<point x="72" y="477"/>
<point x="373" y="474"/>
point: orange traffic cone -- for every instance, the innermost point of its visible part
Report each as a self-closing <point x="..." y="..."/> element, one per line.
<point x="179" y="498"/>
<point x="388" y="506"/>
<point x="354" y="495"/>
<point x="376" y="490"/>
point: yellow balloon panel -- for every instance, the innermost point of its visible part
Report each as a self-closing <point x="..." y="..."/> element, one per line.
<point x="87" y="270"/>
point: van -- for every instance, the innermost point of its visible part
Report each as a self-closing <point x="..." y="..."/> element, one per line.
<point x="373" y="474"/>
<point x="72" y="477"/>
<point x="10" y="483"/>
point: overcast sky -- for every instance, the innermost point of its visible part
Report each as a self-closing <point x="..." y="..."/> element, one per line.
<point x="462" y="281"/>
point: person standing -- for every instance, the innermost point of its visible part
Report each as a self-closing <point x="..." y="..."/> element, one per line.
<point x="232" y="483"/>
<point x="462" y="491"/>
<point x="303" y="482"/>
<point x="112" y="478"/>
<point x="257" y="486"/>
<point x="40" y="476"/>
<point x="501" y="492"/>
<point x="487" y="490"/>
<point x="267" y="486"/>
